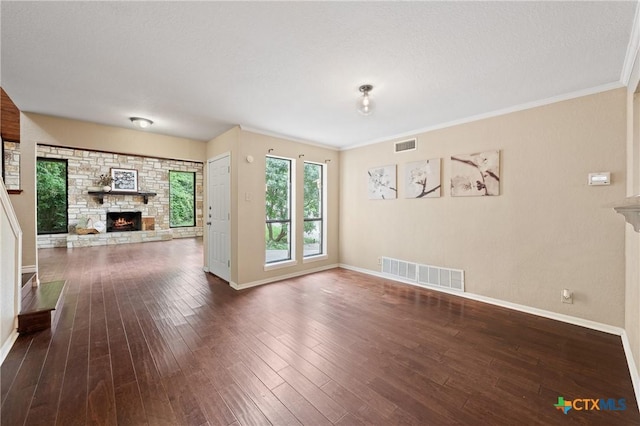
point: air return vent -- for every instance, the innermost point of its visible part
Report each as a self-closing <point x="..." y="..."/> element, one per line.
<point x="409" y="145"/>
<point x="399" y="268"/>
<point x="424" y="275"/>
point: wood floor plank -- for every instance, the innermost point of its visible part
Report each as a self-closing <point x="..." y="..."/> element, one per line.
<point x="101" y="407"/>
<point x="267" y="402"/>
<point x="312" y="373"/>
<point x="320" y="400"/>
<point x="299" y="406"/>
<point x="130" y="410"/>
<point x="44" y="407"/>
<point x="183" y="401"/>
<point x="242" y="406"/>
<point x="213" y="406"/>
<point x="145" y="337"/>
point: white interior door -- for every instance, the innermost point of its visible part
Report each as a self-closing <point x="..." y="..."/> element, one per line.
<point x="218" y="217"/>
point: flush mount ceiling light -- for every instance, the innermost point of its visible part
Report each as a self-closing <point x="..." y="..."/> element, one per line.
<point x="140" y="122"/>
<point x="365" y="105"/>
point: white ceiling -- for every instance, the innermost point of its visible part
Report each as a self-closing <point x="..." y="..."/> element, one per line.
<point x="293" y="68"/>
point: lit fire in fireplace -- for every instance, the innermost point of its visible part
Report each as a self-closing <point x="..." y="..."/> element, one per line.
<point x="122" y="223"/>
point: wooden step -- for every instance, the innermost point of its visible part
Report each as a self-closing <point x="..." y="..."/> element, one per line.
<point x="39" y="306"/>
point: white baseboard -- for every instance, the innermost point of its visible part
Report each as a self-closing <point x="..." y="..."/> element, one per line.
<point x="7" y="345"/>
<point x="633" y="370"/>
<point x="205" y="268"/>
<point x="29" y="269"/>
<point x="280" y="277"/>
<point x="503" y="303"/>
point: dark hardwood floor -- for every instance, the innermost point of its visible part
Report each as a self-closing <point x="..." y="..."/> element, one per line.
<point x="146" y="337"/>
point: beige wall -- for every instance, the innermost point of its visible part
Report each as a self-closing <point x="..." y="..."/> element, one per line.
<point x="41" y="129"/>
<point x="632" y="250"/>
<point x="546" y="231"/>
<point x="248" y="215"/>
<point x="80" y="134"/>
<point x="24" y="204"/>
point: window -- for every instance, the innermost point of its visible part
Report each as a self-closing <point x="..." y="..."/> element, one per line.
<point x="278" y="202"/>
<point x="182" y="199"/>
<point x="313" y="209"/>
<point x="52" y="203"/>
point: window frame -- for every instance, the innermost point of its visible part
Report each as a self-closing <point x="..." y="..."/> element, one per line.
<point x="291" y="259"/>
<point x="194" y="199"/>
<point x="66" y="184"/>
<point x="323" y="214"/>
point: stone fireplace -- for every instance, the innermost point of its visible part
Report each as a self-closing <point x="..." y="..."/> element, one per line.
<point x="124" y="221"/>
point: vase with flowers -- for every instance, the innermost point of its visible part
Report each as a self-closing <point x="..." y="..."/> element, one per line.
<point x="105" y="182"/>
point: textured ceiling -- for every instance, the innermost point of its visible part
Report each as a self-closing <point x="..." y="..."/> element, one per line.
<point x="293" y="68"/>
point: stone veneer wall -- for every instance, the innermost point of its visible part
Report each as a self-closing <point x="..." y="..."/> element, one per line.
<point x="11" y="165"/>
<point x="83" y="169"/>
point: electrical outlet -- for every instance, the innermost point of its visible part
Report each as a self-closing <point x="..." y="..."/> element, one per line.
<point x="566" y="296"/>
<point x="379" y="261"/>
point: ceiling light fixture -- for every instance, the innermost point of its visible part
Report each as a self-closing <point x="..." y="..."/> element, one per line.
<point x="140" y="122"/>
<point x="365" y="105"/>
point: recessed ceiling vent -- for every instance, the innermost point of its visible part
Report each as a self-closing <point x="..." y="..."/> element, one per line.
<point x="403" y="146"/>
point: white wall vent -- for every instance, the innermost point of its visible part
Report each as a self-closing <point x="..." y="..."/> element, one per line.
<point x="399" y="268"/>
<point x="424" y="275"/>
<point x="408" y="145"/>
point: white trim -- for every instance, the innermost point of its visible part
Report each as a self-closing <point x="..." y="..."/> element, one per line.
<point x="606" y="328"/>
<point x="632" y="49"/>
<point x="282" y="277"/>
<point x="509" y="110"/>
<point x="219" y="156"/>
<point x="316" y="258"/>
<point x="7" y="345"/>
<point x="289" y="138"/>
<point x="633" y="369"/>
<point x="30" y="269"/>
<point x="14" y="262"/>
<point x="280" y="265"/>
<point x="205" y="268"/>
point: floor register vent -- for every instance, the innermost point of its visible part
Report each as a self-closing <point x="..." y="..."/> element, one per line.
<point x="424" y="275"/>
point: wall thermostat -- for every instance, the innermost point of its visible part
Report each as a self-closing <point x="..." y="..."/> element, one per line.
<point x="600" y="178"/>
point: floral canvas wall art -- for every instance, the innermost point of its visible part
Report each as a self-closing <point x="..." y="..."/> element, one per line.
<point x="382" y="183"/>
<point x="475" y="174"/>
<point x="422" y="179"/>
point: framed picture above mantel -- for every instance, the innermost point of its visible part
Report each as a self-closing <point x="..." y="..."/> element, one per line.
<point x="124" y="180"/>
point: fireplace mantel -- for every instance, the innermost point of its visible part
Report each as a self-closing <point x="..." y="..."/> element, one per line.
<point x="100" y="194"/>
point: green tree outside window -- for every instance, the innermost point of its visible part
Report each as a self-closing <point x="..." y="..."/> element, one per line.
<point x="52" y="203"/>
<point x="182" y="199"/>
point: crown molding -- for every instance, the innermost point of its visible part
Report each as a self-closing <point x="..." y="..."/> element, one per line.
<point x="632" y="49"/>
<point x="288" y="138"/>
<point x="497" y="113"/>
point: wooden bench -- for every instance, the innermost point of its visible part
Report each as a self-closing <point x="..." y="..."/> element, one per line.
<point x="39" y="305"/>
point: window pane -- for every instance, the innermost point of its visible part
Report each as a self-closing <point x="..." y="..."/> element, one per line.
<point x="182" y="199"/>
<point x="278" y="209"/>
<point x="312" y="191"/>
<point x="51" y="182"/>
<point x="313" y="209"/>
<point x="278" y="178"/>
<point x="312" y="237"/>
<point x="278" y="242"/>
